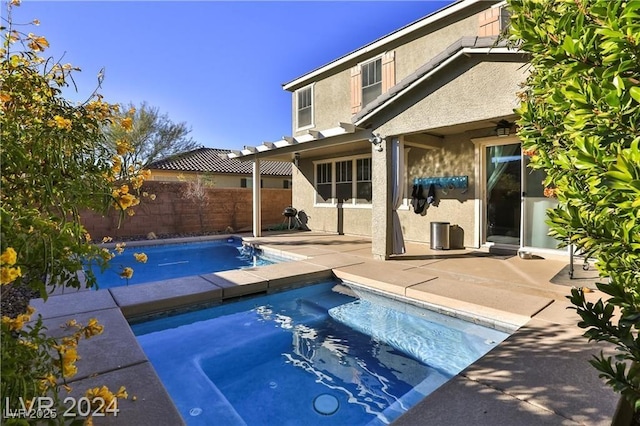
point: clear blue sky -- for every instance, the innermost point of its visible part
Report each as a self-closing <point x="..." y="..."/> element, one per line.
<point x="218" y="66"/>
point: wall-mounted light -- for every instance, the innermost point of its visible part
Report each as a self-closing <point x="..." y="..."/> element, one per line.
<point x="503" y="128"/>
<point x="376" y="141"/>
<point x="296" y="159"/>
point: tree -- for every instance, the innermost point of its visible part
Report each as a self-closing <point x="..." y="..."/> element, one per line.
<point x="153" y="135"/>
<point x="580" y="122"/>
<point x="54" y="164"/>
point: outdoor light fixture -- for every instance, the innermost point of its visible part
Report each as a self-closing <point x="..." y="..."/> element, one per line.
<point x="503" y="128"/>
<point x="296" y="159"/>
<point x="376" y="141"/>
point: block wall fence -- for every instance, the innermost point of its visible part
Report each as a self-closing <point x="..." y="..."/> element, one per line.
<point x="173" y="212"/>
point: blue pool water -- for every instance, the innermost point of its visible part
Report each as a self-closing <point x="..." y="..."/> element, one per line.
<point x="312" y="356"/>
<point x="167" y="261"/>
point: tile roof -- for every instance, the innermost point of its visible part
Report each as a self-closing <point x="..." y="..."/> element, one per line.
<point x="207" y="160"/>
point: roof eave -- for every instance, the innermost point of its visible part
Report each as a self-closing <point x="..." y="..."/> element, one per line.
<point x="360" y="121"/>
<point x="421" y="23"/>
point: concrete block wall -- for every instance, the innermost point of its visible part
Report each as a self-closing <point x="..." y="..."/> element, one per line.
<point x="174" y="212"/>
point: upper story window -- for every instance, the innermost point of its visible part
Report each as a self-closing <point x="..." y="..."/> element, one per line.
<point x="304" y="107"/>
<point x="371" y="80"/>
<point x="346" y="181"/>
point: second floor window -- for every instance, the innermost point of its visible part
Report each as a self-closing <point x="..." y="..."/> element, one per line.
<point x="304" y="107"/>
<point x="371" y="80"/>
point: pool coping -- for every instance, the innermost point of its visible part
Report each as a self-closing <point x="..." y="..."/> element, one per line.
<point x="136" y="302"/>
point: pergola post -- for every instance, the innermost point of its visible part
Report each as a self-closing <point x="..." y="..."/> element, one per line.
<point x="257" y="203"/>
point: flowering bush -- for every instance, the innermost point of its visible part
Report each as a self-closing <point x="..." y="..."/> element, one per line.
<point x="580" y="121"/>
<point x="55" y="162"/>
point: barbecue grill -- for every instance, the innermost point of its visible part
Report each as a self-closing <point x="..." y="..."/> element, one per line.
<point x="290" y="214"/>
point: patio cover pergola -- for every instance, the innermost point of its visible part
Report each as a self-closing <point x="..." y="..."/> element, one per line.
<point x="288" y="148"/>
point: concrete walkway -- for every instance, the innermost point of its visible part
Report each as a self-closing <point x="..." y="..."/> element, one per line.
<point x="539" y="375"/>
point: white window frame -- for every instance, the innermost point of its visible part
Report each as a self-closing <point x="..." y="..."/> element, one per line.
<point x="309" y="87"/>
<point x="362" y="87"/>
<point x="354" y="175"/>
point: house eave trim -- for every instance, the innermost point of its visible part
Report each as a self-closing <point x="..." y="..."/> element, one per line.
<point x="426" y="21"/>
<point x="360" y="119"/>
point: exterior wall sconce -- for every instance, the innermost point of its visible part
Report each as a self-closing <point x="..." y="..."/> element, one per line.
<point x="503" y="128"/>
<point x="376" y="141"/>
<point x="296" y="159"/>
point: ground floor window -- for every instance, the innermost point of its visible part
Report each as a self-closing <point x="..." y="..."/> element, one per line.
<point x="345" y="180"/>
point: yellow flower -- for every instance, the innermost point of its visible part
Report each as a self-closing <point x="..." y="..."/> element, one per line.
<point x="36" y="22"/>
<point x="9" y="256"/>
<point x="93" y="328"/>
<point x="61" y="122"/>
<point x="140" y="257"/>
<point x="126" y="200"/>
<point x="107" y="239"/>
<point x="15" y="2"/>
<point x="103" y="397"/>
<point x="122" y="393"/>
<point x="68" y="357"/>
<point x="120" y="247"/>
<point x="16" y="323"/>
<point x="152" y="196"/>
<point x="106" y="254"/>
<point x="126" y="273"/>
<point x="122" y="147"/>
<point x="48" y="382"/>
<point x="9" y="274"/>
<point x="126" y="123"/>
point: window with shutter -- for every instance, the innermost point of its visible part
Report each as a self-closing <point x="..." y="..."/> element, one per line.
<point x="493" y="21"/>
<point x="370" y="79"/>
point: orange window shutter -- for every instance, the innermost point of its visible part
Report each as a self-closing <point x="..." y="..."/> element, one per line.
<point x="489" y="22"/>
<point x="388" y="71"/>
<point x="356" y="89"/>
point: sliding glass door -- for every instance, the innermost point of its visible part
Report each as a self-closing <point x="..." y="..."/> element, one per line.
<point x="503" y="172"/>
<point x="535" y="206"/>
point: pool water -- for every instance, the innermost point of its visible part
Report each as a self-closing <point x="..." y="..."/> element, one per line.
<point x="167" y="261"/>
<point x="312" y="356"/>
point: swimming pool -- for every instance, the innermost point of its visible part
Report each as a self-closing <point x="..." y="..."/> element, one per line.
<point x="316" y="355"/>
<point x="167" y="261"/>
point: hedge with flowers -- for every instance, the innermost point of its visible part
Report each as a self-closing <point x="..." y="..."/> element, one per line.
<point x="55" y="163"/>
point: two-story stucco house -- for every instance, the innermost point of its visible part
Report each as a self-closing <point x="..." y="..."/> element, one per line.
<point x="430" y="103"/>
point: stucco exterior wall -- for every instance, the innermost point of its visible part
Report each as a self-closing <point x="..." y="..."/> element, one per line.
<point x="347" y="220"/>
<point x="456" y="206"/>
<point x="331" y="101"/>
<point x="332" y="96"/>
<point x="412" y="55"/>
<point x="470" y="91"/>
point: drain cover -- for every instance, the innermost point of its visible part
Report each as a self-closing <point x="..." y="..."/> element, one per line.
<point x="196" y="411"/>
<point x="326" y="404"/>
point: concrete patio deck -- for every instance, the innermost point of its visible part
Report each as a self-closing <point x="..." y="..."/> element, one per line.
<point x="539" y="375"/>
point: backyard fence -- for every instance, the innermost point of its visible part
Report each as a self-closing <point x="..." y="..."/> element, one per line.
<point x="179" y="208"/>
